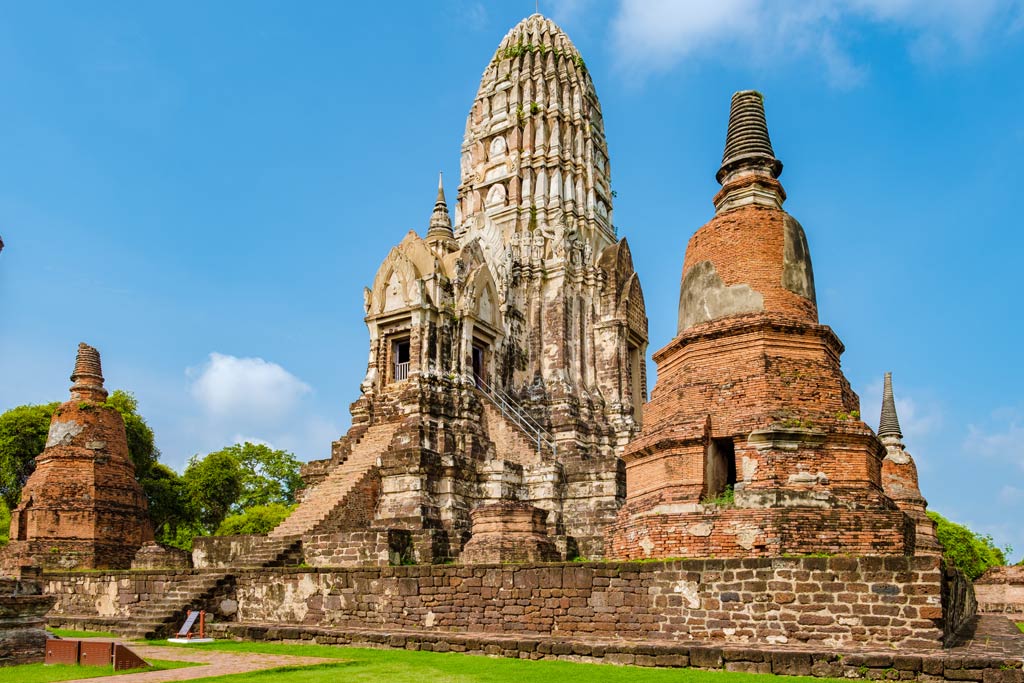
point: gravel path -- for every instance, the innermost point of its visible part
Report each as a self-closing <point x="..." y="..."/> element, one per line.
<point x="215" y="664"/>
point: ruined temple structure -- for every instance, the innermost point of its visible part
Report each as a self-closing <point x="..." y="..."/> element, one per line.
<point x="82" y="507"/>
<point x="752" y="444"/>
<point x="506" y="352"/>
<point x="899" y="475"/>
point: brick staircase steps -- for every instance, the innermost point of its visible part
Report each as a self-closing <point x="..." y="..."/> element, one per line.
<point x="157" y="618"/>
<point x="510" y="441"/>
<point x="320" y="501"/>
<point x="162" y="616"/>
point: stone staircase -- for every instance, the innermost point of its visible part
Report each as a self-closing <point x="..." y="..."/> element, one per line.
<point x="274" y="552"/>
<point x="511" y="411"/>
<point x="510" y="441"/>
<point x="161" y="617"/>
<point x="321" y="500"/>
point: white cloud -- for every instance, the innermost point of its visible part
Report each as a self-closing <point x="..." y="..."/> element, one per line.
<point x="256" y="441"/>
<point x="1002" y="439"/>
<point x="1011" y="495"/>
<point x="473" y="14"/>
<point x="653" y="35"/>
<point x="919" y="417"/>
<point x="252" y="389"/>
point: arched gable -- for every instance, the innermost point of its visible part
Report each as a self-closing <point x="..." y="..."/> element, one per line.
<point x="483" y="294"/>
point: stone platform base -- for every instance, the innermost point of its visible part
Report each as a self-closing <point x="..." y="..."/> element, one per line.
<point x="836" y="602"/>
<point x="989" y="663"/>
<point x="509" y="531"/>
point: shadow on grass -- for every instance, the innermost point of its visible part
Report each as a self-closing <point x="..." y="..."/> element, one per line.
<point x="405" y="666"/>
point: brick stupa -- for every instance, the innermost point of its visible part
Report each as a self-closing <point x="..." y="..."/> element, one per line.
<point x="82" y="507"/>
<point x="899" y="475"/>
<point x="752" y="443"/>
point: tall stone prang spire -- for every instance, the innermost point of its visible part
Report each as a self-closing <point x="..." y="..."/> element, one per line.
<point x="752" y="443"/>
<point x="506" y="367"/>
<point x="534" y="155"/>
<point x="82" y="506"/>
<point x="899" y="475"/>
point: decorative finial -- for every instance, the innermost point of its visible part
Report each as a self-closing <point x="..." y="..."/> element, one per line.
<point x="87" y="378"/>
<point x="440" y="229"/>
<point x="747" y="145"/>
<point x="888" y="423"/>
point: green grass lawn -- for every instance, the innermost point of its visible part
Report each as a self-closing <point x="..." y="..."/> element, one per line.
<point x="1020" y="625"/>
<point x="46" y="673"/>
<point x="67" y="633"/>
<point x="404" y="666"/>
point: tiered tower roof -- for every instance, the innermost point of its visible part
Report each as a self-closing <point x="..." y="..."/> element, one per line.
<point x="534" y="152"/>
<point x="889" y="423"/>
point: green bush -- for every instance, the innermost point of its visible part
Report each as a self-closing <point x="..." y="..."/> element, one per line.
<point x="259" y="519"/>
<point x="5" y="523"/>
<point x="969" y="552"/>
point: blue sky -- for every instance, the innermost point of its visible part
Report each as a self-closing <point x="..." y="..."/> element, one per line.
<point x="201" y="190"/>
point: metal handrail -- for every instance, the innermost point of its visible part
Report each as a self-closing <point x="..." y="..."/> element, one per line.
<point x="401" y="371"/>
<point x="511" y="410"/>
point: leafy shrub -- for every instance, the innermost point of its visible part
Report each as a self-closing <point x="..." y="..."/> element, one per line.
<point x="259" y="519"/>
<point x="969" y="552"/>
<point x="5" y="523"/>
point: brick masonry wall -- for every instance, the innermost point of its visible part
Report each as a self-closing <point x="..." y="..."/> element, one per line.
<point x="224" y="551"/>
<point x="111" y="594"/>
<point x="22" y="618"/>
<point x="891" y="602"/>
<point x="346" y="548"/>
<point x="1000" y="590"/>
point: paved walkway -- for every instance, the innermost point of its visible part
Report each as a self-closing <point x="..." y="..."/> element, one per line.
<point x="993" y="635"/>
<point x="215" y="663"/>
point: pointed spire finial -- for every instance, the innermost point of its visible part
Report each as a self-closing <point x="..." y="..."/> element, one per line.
<point x="440" y="222"/>
<point x="747" y="145"/>
<point x="87" y="378"/>
<point x="888" y="423"/>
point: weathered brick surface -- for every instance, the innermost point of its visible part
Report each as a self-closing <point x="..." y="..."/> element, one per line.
<point x="746" y="247"/>
<point x="829" y="601"/>
<point x="750" y="395"/>
<point x="509" y="532"/>
<point x="1000" y="590"/>
<point x="22" y="618"/>
<point x="82" y="506"/>
<point x="882" y="601"/>
<point x="155" y="556"/>
<point x="533" y="299"/>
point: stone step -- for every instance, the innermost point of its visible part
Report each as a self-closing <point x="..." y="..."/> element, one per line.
<point x="322" y="499"/>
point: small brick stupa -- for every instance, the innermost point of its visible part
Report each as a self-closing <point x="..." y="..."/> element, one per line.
<point x="752" y="443"/>
<point x="82" y="507"/>
<point x="899" y="475"/>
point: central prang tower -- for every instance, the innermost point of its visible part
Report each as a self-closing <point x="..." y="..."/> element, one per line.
<point x="506" y="368"/>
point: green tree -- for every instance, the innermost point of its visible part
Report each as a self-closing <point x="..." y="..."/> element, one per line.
<point x="141" y="445"/>
<point x="970" y="552"/>
<point x="23" y="433"/>
<point x="170" y="506"/>
<point x="5" y="523"/>
<point x="271" y="476"/>
<point x="259" y="519"/>
<point x="213" y="485"/>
